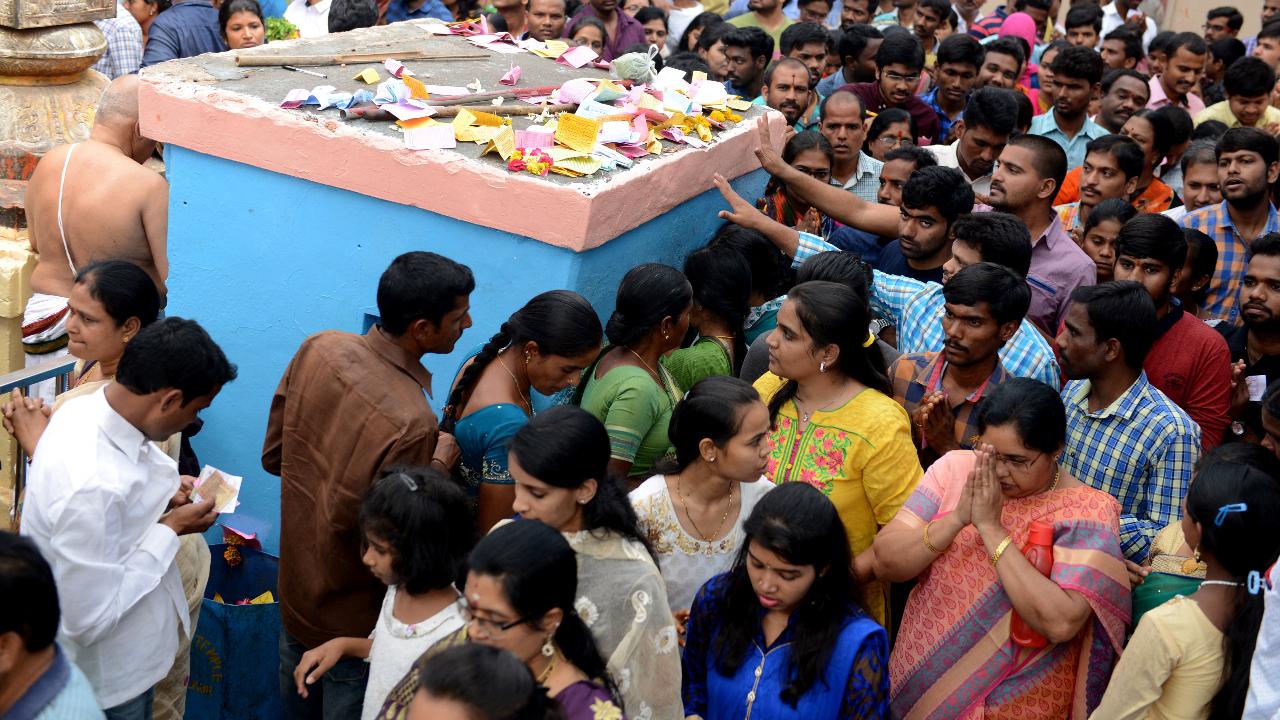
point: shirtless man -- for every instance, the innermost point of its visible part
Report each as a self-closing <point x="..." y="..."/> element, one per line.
<point x="93" y="201"/>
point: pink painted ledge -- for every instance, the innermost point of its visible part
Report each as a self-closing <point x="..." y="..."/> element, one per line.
<point x="246" y="129"/>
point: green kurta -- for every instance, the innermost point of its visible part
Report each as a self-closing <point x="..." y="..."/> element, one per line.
<point x="705" y="358"/>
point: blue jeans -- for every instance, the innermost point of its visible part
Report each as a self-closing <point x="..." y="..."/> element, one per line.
<point x="338" y="696"/>
<point x="138" y="708"/>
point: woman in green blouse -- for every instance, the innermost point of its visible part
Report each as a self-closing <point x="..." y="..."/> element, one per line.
<point x="721" y="282"/>
<point x="627" y="387"/>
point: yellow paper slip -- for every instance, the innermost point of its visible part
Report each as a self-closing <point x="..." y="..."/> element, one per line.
<point x="369" y="76"/>
<point x="579" y="164"/>
<point x="577" y="132"/>
<point x="738" y="104"/>
<point x="417" y="90"/>
<point x="417" y="122"/>
<point x="476" y="134"/>
<point x="559" y="154"/>
<point x="553" y="49"/>
<point x="504" y="144"/>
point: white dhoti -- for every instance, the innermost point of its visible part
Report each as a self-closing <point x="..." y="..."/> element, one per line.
<point x="44" y="334"/>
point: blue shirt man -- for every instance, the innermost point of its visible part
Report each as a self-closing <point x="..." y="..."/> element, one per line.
<point x="186" y="29"/>
<point x="398" y="10"/>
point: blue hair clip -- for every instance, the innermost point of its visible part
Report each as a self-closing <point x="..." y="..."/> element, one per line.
<point x="1256" y="583"/>
<point x="1225" y="509"/>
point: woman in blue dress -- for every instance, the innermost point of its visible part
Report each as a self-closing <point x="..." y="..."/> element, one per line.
<point x="779" y="636"/>
<point x="544" y="346"/>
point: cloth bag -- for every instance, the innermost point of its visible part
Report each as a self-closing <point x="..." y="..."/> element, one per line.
<point x="235" y="656"/>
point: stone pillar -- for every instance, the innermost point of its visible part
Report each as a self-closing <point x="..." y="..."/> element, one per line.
<point x="16" y="264"/>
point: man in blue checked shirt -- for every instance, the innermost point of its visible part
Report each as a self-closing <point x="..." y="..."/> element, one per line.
<point x="1123" y="436"/>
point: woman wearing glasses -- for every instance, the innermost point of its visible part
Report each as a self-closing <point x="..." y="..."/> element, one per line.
<point x="893" y="128"/>
<point x="960" y="535"/>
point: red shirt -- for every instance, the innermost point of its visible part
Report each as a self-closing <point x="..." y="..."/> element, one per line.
<point x="1190" y="363"/>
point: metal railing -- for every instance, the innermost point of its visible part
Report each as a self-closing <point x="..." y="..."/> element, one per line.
<point x="57" y="370"/>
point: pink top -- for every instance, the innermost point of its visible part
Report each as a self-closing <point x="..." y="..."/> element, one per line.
<point x="1193" y="103"/>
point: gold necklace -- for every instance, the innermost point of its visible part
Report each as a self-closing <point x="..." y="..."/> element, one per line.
<point x="648" y="367"/>
<point x="519" y="392"/>
<point x="685" y="504"/>
<point x="1057" y="473"/>
<point x="542" y="676"/>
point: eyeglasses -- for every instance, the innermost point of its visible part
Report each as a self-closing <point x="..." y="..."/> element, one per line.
<point x="892" y="141"/>
<point x="823" y="175"/>
<point x="1008" y="462"/>
<point x="488" y="626"/>
<point x="894" y="77"/>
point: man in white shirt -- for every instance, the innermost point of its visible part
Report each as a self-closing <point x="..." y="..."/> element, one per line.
<point x="981" y="134"/>
<point x="106" y="506"/>
<point x="311" y="17"/>
<point x="1117" y="13"/>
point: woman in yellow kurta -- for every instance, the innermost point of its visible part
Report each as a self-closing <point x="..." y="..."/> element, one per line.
<point x="835" y="424"/>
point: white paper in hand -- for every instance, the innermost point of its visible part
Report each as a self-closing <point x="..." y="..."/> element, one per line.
<point x="223" y="488"/>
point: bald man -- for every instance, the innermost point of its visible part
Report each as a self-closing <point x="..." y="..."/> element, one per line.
<point x="92" y="201"/>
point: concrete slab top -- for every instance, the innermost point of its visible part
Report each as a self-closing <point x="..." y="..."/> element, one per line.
<point x="209" y="104"/>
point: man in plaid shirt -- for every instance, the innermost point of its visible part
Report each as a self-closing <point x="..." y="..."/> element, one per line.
<point x="1248" y="164"/>
<point x="124" y="44"/>
<point x="1123" y="436"/>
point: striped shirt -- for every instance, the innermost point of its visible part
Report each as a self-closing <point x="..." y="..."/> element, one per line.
<point x="916" y="308"/>
<point x="124" y="44"/>
<point x="1141" y="449"/>
<point x="1224" y="290"/>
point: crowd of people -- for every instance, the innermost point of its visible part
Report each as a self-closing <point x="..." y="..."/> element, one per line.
<point x="974" y="412"/>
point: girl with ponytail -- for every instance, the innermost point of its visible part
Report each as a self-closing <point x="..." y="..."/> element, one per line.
<point x="835" y="423"/>
<point x="1190" y="657"/>
<point x="721" y="282"/>
<point x="692" y="514"/>
<point x="544" y="346"/>
<point x="521" y="584"/>
<point x="560" y="462"/>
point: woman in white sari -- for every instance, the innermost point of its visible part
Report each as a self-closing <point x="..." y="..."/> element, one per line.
<point x="559" y="463"/>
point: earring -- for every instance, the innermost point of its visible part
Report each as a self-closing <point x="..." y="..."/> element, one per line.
<point x="548" y="648"/>
<point x="1191" y="564"/>
<point x="822" y="366"/>
<point x="526" y="359"/>
<point x="665" y="336"/>
<point x="712" y="460"/>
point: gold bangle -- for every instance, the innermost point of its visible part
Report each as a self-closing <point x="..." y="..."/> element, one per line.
<point x="928" y="544"/>
<point x="995" y="557"/>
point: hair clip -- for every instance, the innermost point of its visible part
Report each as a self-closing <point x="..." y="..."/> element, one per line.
<point x="1257" y="583"/>
<point x="408" y="482"/>
<point x="1226" y="509"/>
<point x="871" y="340"/>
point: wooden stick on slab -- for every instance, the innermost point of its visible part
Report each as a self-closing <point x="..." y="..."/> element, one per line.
<point x="265" y="60"/>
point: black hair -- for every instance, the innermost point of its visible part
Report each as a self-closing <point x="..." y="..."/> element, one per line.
<point x="590" y="21"/>
<point x="843" y="95"/>
<point x="721" y="282"/>
<point x="231" y="7"/>
<point x="941" y="7"/>
<point x="783" y="62"/>
<point x="425" y="518"/>
<point x="560" y="322"/>
<point x="1271" y="400"/>
<point x="832" y="314"/>
<point x="1048" y="159"/>
<point x="1242" y="542"/>
<point x="992" y="108"/>
<point x="1005" y="292"/>
<point x="1249" y="139"/>
<point x="1084" y="14"/>
<point x="1249" y="77"/>
<point x="347" y="15"/>
<point x="913" y="153"/>
<point x="699" y="22"/>
<point x="1180" y="124"/>
<point x="1121" y="310"/>
<point x="1080" y="63"/>
<point x="1006" y="46"/>
<point x="1131" y="38"/>
<point x="1189" y="41"/>
<point x="1056" y="46"/>
<point x="771" y="273"/>
<point x="1109" y="79"/>
<point x="1235" y="20"/>
<point x="1227" y="51"/>
<point x="1211" y="130"/>
<point x="854" y="39"/>
<point x="797" y="522"/>
<point x="1032" y="407"/>
<point x="1199" y="152"/>
<point x="1126" y="151"/>
<point x="712" y="409"/>
<point x="755" y="40"/>
<point x="509" y="691"/>
<point x="539" y="573"/>
<point x="566" y="446"/>
<point x="1267" y="245"/>
<point x="124" y="289"/>
<point x="900" y="49"/>
<point x="838" y="266"/>
<point x="28" y="593"/>
<point x="1118" y="209"/>
<point x="647" y="295"/>
<point x="887" y="117"/>
<point x="177" y="354"/>
<point x="1161" y="42"/>
<point x="1203" y="252"/>
<point x="1153" y="236"/>
<point x="941" y="187"/>
<point x="961" y="49"/>
<point x="1037" y="4"/>
<point x="1270" y="29"/>
<point x="713" y="34"/>
<point x="421" y="286"/>
<point x="1025" y="112"/>
<point x="689" y="62"/>
<point x="1162" y="131"/>
<point x="802" y="3"/>
<point x="649" y="13"/>
<point x="998" y="237"/>
<point x="804" y="33"/>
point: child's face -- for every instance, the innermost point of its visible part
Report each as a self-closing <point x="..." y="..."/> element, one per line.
<point x="378" y="558"/>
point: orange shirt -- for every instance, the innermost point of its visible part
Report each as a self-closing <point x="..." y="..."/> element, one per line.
<point x="1158" y="197"/>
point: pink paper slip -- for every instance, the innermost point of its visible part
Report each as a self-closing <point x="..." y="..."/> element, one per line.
<point x="576" y="57"/>
<point x="431" y="137"/>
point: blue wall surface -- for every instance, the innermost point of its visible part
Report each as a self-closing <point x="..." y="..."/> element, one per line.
<point x="262" y="260"/>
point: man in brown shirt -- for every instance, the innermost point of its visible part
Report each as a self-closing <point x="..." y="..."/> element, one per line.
<point x="348" y="406"/>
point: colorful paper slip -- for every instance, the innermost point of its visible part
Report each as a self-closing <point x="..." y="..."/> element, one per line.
<point x="577" y="132"/>
<point x="447" y="90"/>
<point x="409" y="110"/>
<point x="417" y="90"/>
<point x="294" y="99"/>
<point x="504" y="143"/>
<point x="396" y="68"/>
<point x="511" y="77"/>
<point x="430" y="137"/>
<point x="534" y="139"/>
<point x="368" y="76"/>
<point x="577" y="57"/>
